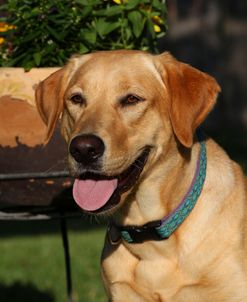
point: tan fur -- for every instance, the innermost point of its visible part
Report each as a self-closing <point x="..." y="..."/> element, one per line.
<point x="205" y="259"/>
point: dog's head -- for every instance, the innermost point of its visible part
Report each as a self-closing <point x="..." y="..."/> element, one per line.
<point x="119" y="111"/>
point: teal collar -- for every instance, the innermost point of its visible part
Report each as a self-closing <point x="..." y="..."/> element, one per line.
<point x="163" y="229"/>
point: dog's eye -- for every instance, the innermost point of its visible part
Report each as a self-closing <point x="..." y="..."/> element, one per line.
<point x="77" y="99"/>
<point x="131" y="100"/>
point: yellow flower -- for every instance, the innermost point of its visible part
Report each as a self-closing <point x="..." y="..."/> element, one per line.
<point x="2" y="40"/>
<point x="3" y="28"/>
<point x="117" y="1"/>
<point x="12" y="27"/>
<point x="157" y="28"/>
<point x="6" y="27"/>
<point x="157" y="20"/>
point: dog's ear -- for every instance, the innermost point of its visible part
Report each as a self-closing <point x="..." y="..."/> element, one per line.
<point x="49" y="99"/>
<point x="192" y="96"/>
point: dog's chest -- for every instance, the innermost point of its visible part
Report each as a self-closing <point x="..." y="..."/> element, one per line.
<point x="153" y="277"/>
<point x="159" y="276"/>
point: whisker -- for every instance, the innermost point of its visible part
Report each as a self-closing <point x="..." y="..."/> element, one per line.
<point x="62" y="161"/>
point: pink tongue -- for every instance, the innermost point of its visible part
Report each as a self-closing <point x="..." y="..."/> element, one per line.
<point x="91" y="195"/>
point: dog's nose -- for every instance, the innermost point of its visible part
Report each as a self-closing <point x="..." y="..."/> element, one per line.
<point x="86" y="148"/>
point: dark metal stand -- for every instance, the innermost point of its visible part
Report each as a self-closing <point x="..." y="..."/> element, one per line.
<point x="32" y="212"/>
<point x="64" y="233"/>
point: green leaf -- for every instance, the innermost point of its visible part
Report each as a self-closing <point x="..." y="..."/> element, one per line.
<point x="157" y="4"/>
<point x="160" y="35"/>
<point x="83" y="2"/>
<point x="128" y="33"/>
<point x="37" y="58"/>
<point x="16" y="60"/>
<point x="100" y="12"/>
<point x="83" y="49"/>
<point x="150" y="27"/>
<point x="137" y="22"/>
<point x="28" y="66"/>
<point x="57" y="19"/>
<point x="88" y="2"/>
<point x="29" y="37"/>
<point x="131" y="4"/>
<point x="113" y="10"/>
<point x="50" y="48"/>
<point x="95" y="2"/>
<point x="85" y="11"/>
<point x="109" y="11"/>
<point x="35" y="11"/>
<point x="89" y="36"/>
<point x="103" y="28"/>
<point x="54" y="34"/>
<point x="28" y="63"/>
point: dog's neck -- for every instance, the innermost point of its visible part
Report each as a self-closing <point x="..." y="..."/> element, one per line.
<point x="149" y="202"/>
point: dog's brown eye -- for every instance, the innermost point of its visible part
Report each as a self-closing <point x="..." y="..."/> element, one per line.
<point x="130" y="100"/>
<point x="77" y="99"/>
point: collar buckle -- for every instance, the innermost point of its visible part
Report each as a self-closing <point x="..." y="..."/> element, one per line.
<point x="139" y="234"/>
<point x="113" y="235"/>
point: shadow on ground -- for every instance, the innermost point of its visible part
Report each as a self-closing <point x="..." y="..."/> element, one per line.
<point x="28" y="228"/>
<point x="17" y="292"/>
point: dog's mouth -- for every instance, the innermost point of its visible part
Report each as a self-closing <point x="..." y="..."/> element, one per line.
<point x="97" y="193"/>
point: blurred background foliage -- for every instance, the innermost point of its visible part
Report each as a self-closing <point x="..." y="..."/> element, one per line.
<point x="38" y="33"/>
<point x="211" y="35"/>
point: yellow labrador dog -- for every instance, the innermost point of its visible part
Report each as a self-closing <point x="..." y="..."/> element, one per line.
<point x="177" y="204"/>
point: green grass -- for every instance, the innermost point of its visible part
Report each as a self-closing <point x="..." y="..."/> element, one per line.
<point x="32" y="262"/>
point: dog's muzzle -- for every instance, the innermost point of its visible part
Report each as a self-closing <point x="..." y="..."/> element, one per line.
<point x="96" y="192"/>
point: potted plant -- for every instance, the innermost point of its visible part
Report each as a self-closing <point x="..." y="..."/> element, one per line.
<point x="36" y="37"/>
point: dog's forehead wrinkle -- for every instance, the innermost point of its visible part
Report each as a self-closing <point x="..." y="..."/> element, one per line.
<point x="74" y="90"/>
<point x="74" y="65"/>
<point x="116" y="64"/>
<point x="116" y="69"/>
<point x="150" y="65"/>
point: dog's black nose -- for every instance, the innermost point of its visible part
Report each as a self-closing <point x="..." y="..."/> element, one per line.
<point x="86" y="148"/>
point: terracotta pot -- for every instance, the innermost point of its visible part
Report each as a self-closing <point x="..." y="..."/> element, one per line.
<point x="19" y="120"/>
<point x="27" y="167"/>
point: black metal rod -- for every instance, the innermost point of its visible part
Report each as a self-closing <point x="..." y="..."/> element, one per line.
<point x="16" y="176"/>
<point x="64" y="232"/>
